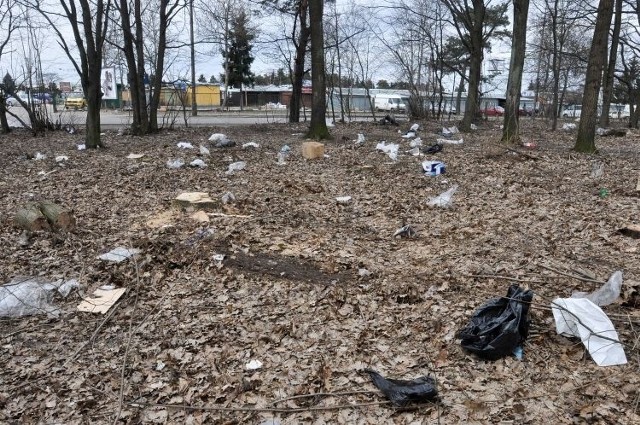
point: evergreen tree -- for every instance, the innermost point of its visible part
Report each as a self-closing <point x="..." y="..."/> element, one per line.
<point x="213" y="79"/>
<point x="239" y="54"/>
<point x="202" y="79"/>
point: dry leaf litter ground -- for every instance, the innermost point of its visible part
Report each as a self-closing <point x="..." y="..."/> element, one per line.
<point x="290" y="292"/>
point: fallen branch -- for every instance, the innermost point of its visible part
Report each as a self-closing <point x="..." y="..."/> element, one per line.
<point x="338" y="394"/>
<point x="259" y="409"/>
<point x="584" y="279"/>
<point x="496" y="276"/>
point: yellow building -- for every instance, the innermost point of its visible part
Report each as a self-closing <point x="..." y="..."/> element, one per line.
<point x="207" y="95"/>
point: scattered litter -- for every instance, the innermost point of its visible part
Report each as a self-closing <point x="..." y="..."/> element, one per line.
<point x="39" y="156"/>
<point x="27" y="296"/>
<point x="250" y="145"/>
<point x="225" y="143"/>
<point x="415" y="143"/>
<point x="135" y="155"/>
<point x="601" y="131"/>
<point x="415" y="151"/>
<point x="405" y="232"/>
<point x="530" y="145"/>
<point x="312" y="150"/>
<point x="433" y="168"/>
<point x="360" y="139"/>
<point x="218" y="137"/>
<point x="473" y="127"/>
<point x="499" y="326"/>
<point x="62" y="158"/>
<point x="185" y="145"/>
<point x="200" y="234"/>
<point x="569" y="126"/>
<point x="236" y="166"/>
<point x="631" y="230"/>
<point x="175" y="163"/>
<point x="433" y="149"/>
<point x="448" y="132"/>
<point x="449" y="142"/>
<point x="197" y="163"/>
<point x="608" y="293"/>
<point x="218" y="259"/>
<point x="414" y="127"/>
<point x="362" y="272"/>
<point x="388" y="119"/>
<point x="343" y="200"/>
<point x="228" y="198"/>
<point x="102" y="300"/>
<point x="444" y="199"/>
<point x="597" y="170"/>
<point x="330" y="122"/>
<point x="70" y="129"/>
<point x="204" y="151"/>
<point x="119" y="254"/>
<point x="82" y="147"/>
<point x="581" y="318"/>
<point x="285" y="149"/>
<point x="253" y="365"/>
<point x="603" y="192"/>
<point x="160" y="365"/>
<point x="401" y="392"/>
<point x="391" y="149"/>
<point x="409" y="135"/>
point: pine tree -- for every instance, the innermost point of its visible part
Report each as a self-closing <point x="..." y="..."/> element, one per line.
<point x="239" y="54"/>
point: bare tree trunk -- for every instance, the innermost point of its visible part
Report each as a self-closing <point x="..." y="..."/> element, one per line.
<point x="298" y="63"/>
<point x="318" y="127"/>
<point x="194" y="100"/>
<point x="585" y="140"/>
<point x="607" y="89"/>
<point x="510" y="133"/>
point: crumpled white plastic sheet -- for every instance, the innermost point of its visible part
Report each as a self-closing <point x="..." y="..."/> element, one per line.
<point x="581" y="318"/>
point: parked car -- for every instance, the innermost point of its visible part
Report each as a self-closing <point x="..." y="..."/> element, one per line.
<point x="619" y="111"/>
<point x="42" y="97"/>
<point x="492" y="111"/>
<point x="572" y="111"/>
<point x="75" y="101"/>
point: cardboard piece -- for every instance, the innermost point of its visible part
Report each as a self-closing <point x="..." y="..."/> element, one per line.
<point x="312" y="150"/>
<point x="101" y="301"/>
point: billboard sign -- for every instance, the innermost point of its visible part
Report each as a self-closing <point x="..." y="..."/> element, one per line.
<point x="65" y="87"/>
<point x="108" y="83"/>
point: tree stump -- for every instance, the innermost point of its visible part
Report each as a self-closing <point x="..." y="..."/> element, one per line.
<point x="32" y="219"/>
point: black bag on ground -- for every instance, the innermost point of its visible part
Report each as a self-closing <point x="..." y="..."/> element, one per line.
<point x="499" y="325"/>
<point x="401" y="392"/>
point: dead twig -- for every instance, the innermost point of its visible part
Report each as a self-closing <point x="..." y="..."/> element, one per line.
<point x="259" y="409"/>
<point x="584" y="279"/>
<point x="337" y="394"/>
<point x="496" y="276"/>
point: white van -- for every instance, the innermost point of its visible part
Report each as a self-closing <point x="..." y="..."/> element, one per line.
<point x="389" y="103"/>
<point x="572" y="111"/>
<point x="619" y="111"/>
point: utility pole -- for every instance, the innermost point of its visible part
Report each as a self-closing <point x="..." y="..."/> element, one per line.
<point x="194" y="105"/>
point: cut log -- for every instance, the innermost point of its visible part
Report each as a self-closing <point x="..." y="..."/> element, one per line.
<point x="31" y="219"/>
<point x="57" y="216"/>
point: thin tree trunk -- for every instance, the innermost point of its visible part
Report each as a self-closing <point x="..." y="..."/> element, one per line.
<point x="318" y="126"/>
<point x="511" y="129"/>
<point x="585" y="140"/>
<point x="298" y="64"/>
<point x="607" y="89"/>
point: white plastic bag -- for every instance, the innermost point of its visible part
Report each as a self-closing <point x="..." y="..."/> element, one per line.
<point x="185" y="145"/>
<point x="236" y="166"/>
<point x="444" y="199"/>
<point x="608" y="293"/>
<point x="391" y="149"/>
<point x="26" y="296"/>
<point x="581" y="318"/>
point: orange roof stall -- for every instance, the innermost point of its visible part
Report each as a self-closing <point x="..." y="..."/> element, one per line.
<point x="206" y="95"/>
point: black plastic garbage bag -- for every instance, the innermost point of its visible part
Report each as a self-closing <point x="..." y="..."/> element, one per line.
<point x="402" y="392"/>
<point x="498" y="326"/>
